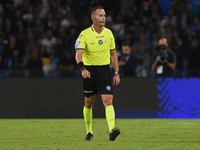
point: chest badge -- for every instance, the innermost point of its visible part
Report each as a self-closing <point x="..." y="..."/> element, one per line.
<point x="100" y="42"/>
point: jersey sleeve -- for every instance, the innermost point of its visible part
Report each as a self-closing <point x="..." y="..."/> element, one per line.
<point x="80" y="42"/>
<point x="112" y="44"/>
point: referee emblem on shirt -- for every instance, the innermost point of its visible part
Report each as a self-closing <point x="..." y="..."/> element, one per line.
<point x="108" y="87"/>
<point x="100" y="42"/>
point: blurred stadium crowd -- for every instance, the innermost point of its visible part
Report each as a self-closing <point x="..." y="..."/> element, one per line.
<point x="41" y="34"/>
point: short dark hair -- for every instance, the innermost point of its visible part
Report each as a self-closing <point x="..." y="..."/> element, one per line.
<point x="95" y="8"/>
<point x="127" y="44"/>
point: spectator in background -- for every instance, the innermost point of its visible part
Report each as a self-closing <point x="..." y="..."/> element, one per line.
<point x="118" y="26"/>
<point x="86" y="22"/>
<point x="16" y="3"/>
<point x="8" y="28"/>
<point x="194" y="8"/>
<point x="67" y="64"/>
<point x="66" y="21"/>
<point x="18" y="16"/>
<point x="80" y="9"/>
<point x="31" y="44"/>
<point x="145" y="22"/>
<point x="54" y="28"/>
<point x="24" y="6"/>
<point x="59" y="48"/>
<point x="182" y="14"/>
<point x="187" y="35"/>
<point x="9" y="10"/>
<point x="20" y="32"/>
<point x="13" y="45"/>
<point x="194" y="58"/>
<point x="48" y="45"/>
<point x="170" y="20"/>
<point x="42" y="9"/>
<point x="146" y="7"/>
<point x="17" y="60"/>
<point x="71" y="38"/>
<point x="38" y="28"/>
<point x="195" y="23"/>
<point x="34" y="62"/>
<point x="140" y="70"/>
<point x="177" y="47"/>
<point x="48" y="20"/>
<point x="129" y="17"/>
<point x="28" y="17"/>
<point x="154" y="10"/>
<point x="144" y="55"/>
<point x="164" y="5"/>
<point x="2" y="50"/>
<point x="127" y="61"/>
<point x="57" y="10"/>
<point x="141" y="43"/>
<point x="1" y="15"/>
<point x="127" y="37"/>
<point x="165" y="61"/>
<point x="62" y="32"/>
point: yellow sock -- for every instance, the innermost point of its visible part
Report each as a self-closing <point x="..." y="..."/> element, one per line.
<point x="110" y="117"/>
<point x="87" y="113"/>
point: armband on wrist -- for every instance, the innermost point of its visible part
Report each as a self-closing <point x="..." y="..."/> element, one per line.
<point x="81" y="66"/>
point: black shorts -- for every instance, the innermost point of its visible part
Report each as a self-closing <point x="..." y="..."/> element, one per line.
<point x="101" y="80"/>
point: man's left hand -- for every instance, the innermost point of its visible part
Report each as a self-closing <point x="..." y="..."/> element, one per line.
<point x="122" y="63"/>
<point x="116" y="79"/>
<point x="166" y="61"/>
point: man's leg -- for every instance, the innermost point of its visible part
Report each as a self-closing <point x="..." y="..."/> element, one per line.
<point x="110" y="113"/>
<point x="110" y="116"/>
<point x="87" y="113"/>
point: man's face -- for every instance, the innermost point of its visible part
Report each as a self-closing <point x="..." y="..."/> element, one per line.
<point x="163" y="42"/>
<point x="126" y="50"/>
<point x="99" y="17"/>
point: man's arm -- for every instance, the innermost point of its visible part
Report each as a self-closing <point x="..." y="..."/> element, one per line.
<point x="170" y="65"/>
<point x="114" y="60"/>
<point x="78" y="56"/>
<point x="85" y="73"/>
<point x="158" y="59"/>
<point x="155" y="64"/>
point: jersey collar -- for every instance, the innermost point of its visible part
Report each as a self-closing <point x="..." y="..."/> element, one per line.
<point x="94" y="30"/>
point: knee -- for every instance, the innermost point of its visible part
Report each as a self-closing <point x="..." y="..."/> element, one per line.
<point x="107" y="102"/>
<point x="88" y="103"/>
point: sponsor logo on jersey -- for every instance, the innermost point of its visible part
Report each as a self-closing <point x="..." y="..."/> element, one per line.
<point x="100" y="42"/>
<point x="78" y="44"/>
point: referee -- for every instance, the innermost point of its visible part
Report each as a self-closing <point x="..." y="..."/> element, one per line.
<point x="95" y="47"/>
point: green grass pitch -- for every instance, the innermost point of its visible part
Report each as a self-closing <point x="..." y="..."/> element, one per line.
<point x="69" y="134"/>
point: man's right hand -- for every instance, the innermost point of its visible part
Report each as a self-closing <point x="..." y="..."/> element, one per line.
<point x="158" y="59"/>
<point x="122" y="63"/>
<point x="85" y="73"/>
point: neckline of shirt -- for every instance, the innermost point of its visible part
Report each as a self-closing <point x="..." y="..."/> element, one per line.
<point x="95" y="30"/>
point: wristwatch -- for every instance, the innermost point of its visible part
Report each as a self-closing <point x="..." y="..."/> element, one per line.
<point x="117" y="72"/>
